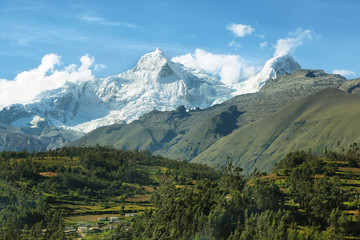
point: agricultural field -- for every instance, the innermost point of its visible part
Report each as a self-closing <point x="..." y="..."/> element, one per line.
<point x="104" y="193"/>
<point x="305" y="197"/>
<point x="85" y="186"/>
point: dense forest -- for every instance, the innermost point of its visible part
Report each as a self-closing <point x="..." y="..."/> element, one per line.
<point x="29" y="199"/>
<point x="305" y="197"/>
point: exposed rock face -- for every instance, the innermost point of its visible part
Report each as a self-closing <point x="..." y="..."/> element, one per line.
<point x="351" y="86"/>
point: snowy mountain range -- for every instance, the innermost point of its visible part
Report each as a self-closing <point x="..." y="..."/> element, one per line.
<point x="61" y="115"/>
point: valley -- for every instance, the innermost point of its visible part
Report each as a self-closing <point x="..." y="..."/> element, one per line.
<point x="179" y="120"/>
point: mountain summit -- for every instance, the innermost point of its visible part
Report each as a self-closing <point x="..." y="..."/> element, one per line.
<point x="273" y="68"/>
<point x="277" y="66"/>
<point x="152" y="62"/>
<point x="155" y="83"/>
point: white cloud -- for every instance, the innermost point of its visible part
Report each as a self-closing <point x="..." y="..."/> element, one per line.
<point x="240" y="30"/>
<point x="294" y="40"/>
<point x="99" y="67"/>
<point x="28" y="84"/>
<point x="263" y="45"/>
<point x="104" y="22"/>
<point x="230" y="68"/>
<point x="26" y="35"/>
<point x="343" y="72"/>
<point x="234" y="44"/>
<point x="36" y="8"/>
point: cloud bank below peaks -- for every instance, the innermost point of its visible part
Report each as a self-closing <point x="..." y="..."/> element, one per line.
<point x="294" y="40"/>
<point x="231" y="69"/>
<point x="344" y="72"/>
<point x="26" y="85"/>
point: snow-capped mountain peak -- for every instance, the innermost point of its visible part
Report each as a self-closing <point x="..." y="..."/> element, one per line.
<point x="152" y="61"/>
<point x="273" y="68"/>
<point x="277" y="66"/>
<point x="154" y="83"/>
<point x="155" y="67"/>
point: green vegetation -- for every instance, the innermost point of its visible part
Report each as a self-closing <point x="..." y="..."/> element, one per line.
<point x="42" y="192"/>
<point x="317" y="122"/>
<point x="306" y="197"/>
<point x="207" y="132"/>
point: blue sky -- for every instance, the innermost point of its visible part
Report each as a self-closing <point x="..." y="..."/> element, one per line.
<point x="117" y="33"/>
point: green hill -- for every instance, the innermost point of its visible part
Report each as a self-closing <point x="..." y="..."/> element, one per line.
<point x="204" y="134"/>
<point x="317" y="121"/>
<point x="132" y="136"/>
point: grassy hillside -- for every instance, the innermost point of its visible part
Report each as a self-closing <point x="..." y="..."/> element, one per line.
<point x="314" y="122"/>
<point x="204" y="134"/>
<point x="134" y="136"/>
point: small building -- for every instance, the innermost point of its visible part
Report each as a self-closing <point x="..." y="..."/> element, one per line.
<point x="70" y="232"/>
<point x="83" y="229"/>
<point x="114" y="219"/>
<point x="101" y="219"/>
<point x="94" y="230"/>
<point x="100" y="224"/>
<point x="82" y="224"/>
<point x="130" y="214"/>
<point x="228" y="197"/>
<point x="126" y="228"/>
